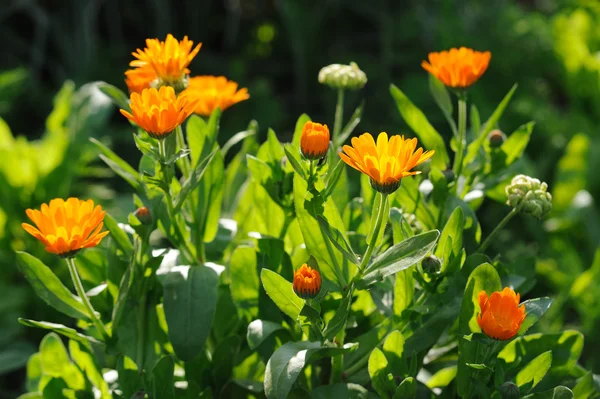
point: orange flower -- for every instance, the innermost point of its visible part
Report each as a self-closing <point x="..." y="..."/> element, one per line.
<point x="314" y="141"/>
<point x="168" y="59"/>
<point x="213" y="92"/>
<point x="138" y="79"/>
<point x="458" y="68"/>
<point x="307" y="282"/>
<point x="159" y="112"/>
<point x="65" y="227"/>
<point x="501" y="316"/>
<point x="385" y="162"/>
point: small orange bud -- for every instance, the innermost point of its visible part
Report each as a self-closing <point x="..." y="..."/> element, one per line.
<point x="314" y="141"/>
<point x="307" y="282"/>
<point x="501" y="316"/>
<point x="143" y="214"/>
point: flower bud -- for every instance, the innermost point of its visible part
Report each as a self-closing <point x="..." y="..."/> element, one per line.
<point x="529" y="195"/>
<point x="339" y="76"/>
<point x="178" y="85"/>
<point x="307" y="282"/>
<point x="431" y="264"/>
<point x="510" y="390"/>
<point x="314" y="141"/>
<point x="496" y="138"/>
<point x="143" y="215"/>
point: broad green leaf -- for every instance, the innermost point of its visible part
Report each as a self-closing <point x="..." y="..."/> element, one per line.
<point x="407" y="389"/>
<point x="535" y="370"/>
<point x="442" y="378"/>
<point x="584" y="388"/>
<point x="404" y="289"/>
<point x="287" y="363"/>
<point x="367" y="342"/>
<point x="453" y="230"/>
<point x="190" y="298"/>
<point x="15" y="356"/>
<point x="193" y="180"/>
<point x="56" y="362"/>
<point x="378" y="373"/>
<point x="560" y="392"/>
<point x="162" y="379"/>
<point x="223" y="359"/>
<point x="62" y="330"/>
<point x="338" y="240"/>
<point x="119" y="166"/>
<point x="245" y="283"/>
<point x="295" y="162"/>
<point x="516" y="143"/>
<point x="281" y="292"/>
<point x="48" y="287"/>
<point x="393" y="347"/>
<point x="118" y="235"/>
<point x="333" y="176"/>
<point x="442" y="98"/>
<point x="34" y="372"/>
<point x="338" y="321"/>
<point x="418" y="122"/>
<point x="130" y="379"/>
<point x="400" y="256"/>
<point x="483" y="278"/>
<point x="259" y="330"/>
<point x="208" y="198"/>
<point x="534" y="310"/>
<point x="115" y="94"/>
<point x="236" y="138"/>
<point x="84" y="358"/>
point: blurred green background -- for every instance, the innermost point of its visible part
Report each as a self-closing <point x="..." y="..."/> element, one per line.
<point x="52" y="49"/>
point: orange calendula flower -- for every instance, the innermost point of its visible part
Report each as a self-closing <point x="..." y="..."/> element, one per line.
<point x="159" y="112"/>
<point x="458" y="68"/>
<point x="65" y="227"/>
<point x="314" y="141"/>
<point x="385" y="162"/>
<point x="501" y="316"/>
<point x="138" y="79"/>
<point x="169" y="59"/>
<point x="307" y="282"/>
<point x="214" y="91"/>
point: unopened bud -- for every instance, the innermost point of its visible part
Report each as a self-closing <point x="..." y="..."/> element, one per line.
<point x="314" y="141"/>
<point x="413" y="222"/>
<point x="339" y="76"/>
<point x="509" y="390"/>
<point x="431" y="264"/>
<point x="529" y="195"/>
<point x="143" y="215"/>
<point x="496" y="138"/>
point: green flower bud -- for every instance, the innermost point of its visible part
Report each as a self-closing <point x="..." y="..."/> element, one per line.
<point x="509" y="390"/>
<point x="529" y="195"/>
<point x="414" y="224"/>
<point x="339" y="76"/>
<point x="431" y="264"/>
<point x="496" y="138"/>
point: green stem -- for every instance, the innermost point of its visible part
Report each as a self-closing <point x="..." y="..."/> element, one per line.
<point x="337" y="362"/>
<point x="502" y="223"/>
<point x="374" y="234"/>
<point x="86" y="302"/>
<point x="462" y="137"/>
<point x="141" y="333"/>
<point x="286" y="224"/>
<point x="339" y="116"/>
<point x="185" y="161"/>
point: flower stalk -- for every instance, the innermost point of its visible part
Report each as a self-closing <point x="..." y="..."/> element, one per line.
<point x="499" y="227"/>
<point x="462" y="137"/>
<point x="339" y="116"/>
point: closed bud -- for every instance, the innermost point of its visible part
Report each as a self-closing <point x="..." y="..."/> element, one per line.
<point x="496" y="138"/>
<point x="529" y="195"/>
<point x="431" y="264"/>
<point x="307" y="282"/>
<point x="339" y="76"/>
<point x="510" y="390"/>
<point x="314" y="141"/>
<point x="413" y="222"/>
<point x="143" y="215"/>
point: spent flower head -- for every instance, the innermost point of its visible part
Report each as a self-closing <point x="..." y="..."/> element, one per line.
<point x="529" y="195"/>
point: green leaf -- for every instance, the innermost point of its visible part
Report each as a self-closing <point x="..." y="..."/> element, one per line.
<point x="515" y="145"/>
<point x="298" y="129"/>
<point x="453" y="230"/>
<point x="85" y="360"/>
<point x="378" y="373"/>
<point x="48" y="287"/>
<point x="534" y="310"/>
<point x="535" y="370"/>
<point x="334" y="391"/>
<point x="130" y="379"/>
<point x="560" y="392"/>
<point x="117" y="96"/>
<point x="15" y="356"/>
<point x="584" y="388"/>
<point x="295" y="162"/>
<point x="483" y="278"/>
<point x="442" y="99"/>
<point x="245" y="283"/>
<point x="62" y="330"/>
<point x="259" y="330"/>
<point x="338" y="240"/>
<point x="56" y="362"/>
<point x="393" y="347"/>
<point x="34" y="372"/>
<point x="351" y="125"/>
<point x="407" y="389"/>
<point x="236" y="138"/>
<point x="475" y="120"/>
<point x="404" y="290"/>
<point x="418" y="122"/>
<point x="442" y="378"/>
<point x="193" y="180"/>
<point x="281" y="292"/>
<point x="162" y="378"/>
<point x="338" y="321"/>
<point x="118" y="235"/>
<point x="573" y="172"/>
<point x="286" y="364"/>
<point x="400" y="256"/>
<point x="333" y="176"/>
<point x="190" y="298"/>
<point x="119" y="166"/>
<point x="475" y="146"/>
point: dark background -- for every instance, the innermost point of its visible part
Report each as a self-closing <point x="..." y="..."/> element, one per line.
<point x="274" y="48"/>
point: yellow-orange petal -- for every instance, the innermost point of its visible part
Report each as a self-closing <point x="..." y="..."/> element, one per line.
<point x="500" y="315"/>
<point x="212" y="92"/>
<point x="314" y="141"/>
<point x="457" y="68"/>
<point x="307" y="282"/>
